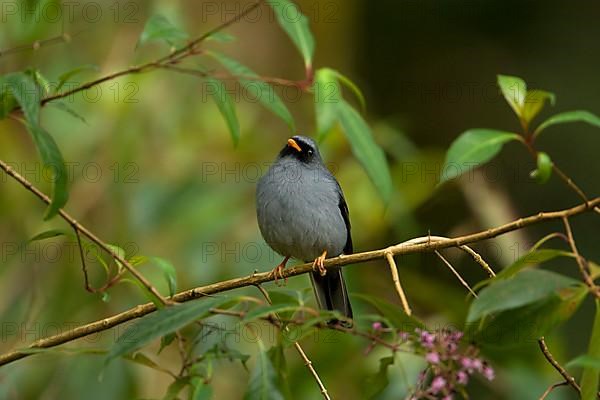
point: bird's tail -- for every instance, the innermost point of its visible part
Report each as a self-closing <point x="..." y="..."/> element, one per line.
<point x="331" y="294"/>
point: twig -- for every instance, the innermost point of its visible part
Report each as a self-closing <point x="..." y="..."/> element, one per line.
<point x="455" y="272"/>
<point x="80" y="228"/>
<point x="259" y="278"/>
<point x="174" y="57"/>
<point x="568" y="378"/>
<point x="300" y="350"/>
<point x="583" y="268"/>
<point x="62" y="38"/>
<point x="551" y="388"/>
<point x="396" y="279"/>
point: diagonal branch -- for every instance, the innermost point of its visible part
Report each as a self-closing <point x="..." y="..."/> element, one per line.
<point x="83" y="230"/>
<point x="568" y="378"/>
<point x="256" y="279"/>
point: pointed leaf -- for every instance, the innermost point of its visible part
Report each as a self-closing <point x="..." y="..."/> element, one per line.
<point x="169" y="272"/>
<point x="263" y="381"/>
<point x="524" y="288"/>
<point x="226" y="107"/>
<point x="473" y="148"/>
<point x="327" y="98"/>
<point x="160" y="323"/>
<point x="64" y="107"/>
<point x="50" y="234"/>
<point x="364" y="148"/>
<point x="377" y="383"/>
<point x="64" y="78"/>
<point x="514" y="91"/>
<point x="569" y="116"/>
<point x="534" y="102"/>
<point x="296" y="25"/>
<point x="158" y="27"/>
<point x="256" y="88"/>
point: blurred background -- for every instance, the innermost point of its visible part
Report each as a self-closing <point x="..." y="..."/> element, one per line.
<point x="153" y="170"/>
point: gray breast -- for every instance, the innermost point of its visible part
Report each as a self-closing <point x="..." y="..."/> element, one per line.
<point x="298" y="210"/>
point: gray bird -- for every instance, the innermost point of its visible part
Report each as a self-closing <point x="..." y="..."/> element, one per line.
<point x="302" y="214"/>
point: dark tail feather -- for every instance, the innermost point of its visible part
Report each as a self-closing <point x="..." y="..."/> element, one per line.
<point x="331" y="294"/>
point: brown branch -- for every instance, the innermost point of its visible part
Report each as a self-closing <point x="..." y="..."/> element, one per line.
<point x="568" y="378"/>
<point x="62" y="38"/>
<point x="259" y="278"/>
<point x="551" y="388"/>
<point x="455" y="272"/>
<point x="174" y="57"/>
<point x="396" y="279"/>
<point x="581" y="262"/>
<point x="80" y="228"/>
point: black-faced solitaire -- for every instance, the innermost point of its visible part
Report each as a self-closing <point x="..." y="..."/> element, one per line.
<point x="302" y="214"/>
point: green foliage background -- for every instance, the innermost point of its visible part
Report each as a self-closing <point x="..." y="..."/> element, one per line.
<point x="173" y="185"/>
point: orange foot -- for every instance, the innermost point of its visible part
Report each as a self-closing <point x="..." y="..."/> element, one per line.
<point x="278" y="271"/>
<point x="318" y="263"/>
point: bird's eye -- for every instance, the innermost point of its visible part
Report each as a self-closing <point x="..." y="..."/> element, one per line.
<point x="310" y="152"/>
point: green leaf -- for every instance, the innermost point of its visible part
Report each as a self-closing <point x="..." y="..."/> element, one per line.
<point x="175" y="388"/>
<point x="524" y="325"/>
<point x="393" y="313"/>
<point x="7" y="100"/>
<point x="364" y="148"/>
<point x="64" y="78"/>
<point x="221" y="37"/>
<point x="327" y="98"/>
<point x="226" y="107"/>
<point x="566" y="117"/>
<point x="277" y="357"/>
<point x="590" y="376"/>
<point x="53" y="160"/>
<point x="377" y="383"/>
<point x="473" y="148"/>
<point x="256" y="88"/>
<point x="40" y="80"/>
<point x="264" y="311"/>
<point x="27" y="95"/>
<point x="158" y="27"/>
<point x="296" y="25"/>
<point x="534" y="102"/>
<point x="530" y="259"/>
<point x="169" y="272"/>
<point x="544" y="168"/>
<point x="263" y="381"/>
<point x="161" y="323"/>
<point x="51" y="233"/>
<point x="514" y="91"/>
<point x="354" y="88"/>
<point x="144" y="360"/>
<point x="524" y="288"/>
<point x="201" y="390"/>
<point x="584" y="361"/>
<point x="64" y="107"/>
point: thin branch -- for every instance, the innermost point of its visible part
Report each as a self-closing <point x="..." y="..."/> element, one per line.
<point x="62" y="38"/>
<point x="300" y="350"/>
<point x="455" y="272"/>
<point x="396" y="279"/>
<point x="172" y="58"/>
<point x="551" y="388"/>
<point x="259" y="278"/>
<point x="581" y="262"/>
<point x="80" y="228"/>
<point x="568" y="378"/>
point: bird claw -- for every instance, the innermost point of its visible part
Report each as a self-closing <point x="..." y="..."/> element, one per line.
<point x="318" y="264"/>
<point x="277" y="273"/>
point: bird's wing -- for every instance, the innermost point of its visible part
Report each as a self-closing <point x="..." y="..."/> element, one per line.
<point x="346" y="215"/>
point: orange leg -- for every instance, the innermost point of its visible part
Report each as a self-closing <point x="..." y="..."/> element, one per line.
<point x="278" y="271"/>
<point x="318" y="264"/>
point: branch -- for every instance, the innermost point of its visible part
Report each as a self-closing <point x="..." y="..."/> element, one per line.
<point x="396" y="279"/>
<point x="581" y="262"/>
<point x="258" y="278"/>
<point x="568" y="378"/>
<point x="80" y="228"/>
<point x="173" y="58"/>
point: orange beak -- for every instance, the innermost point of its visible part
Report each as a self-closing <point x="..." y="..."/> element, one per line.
<point x="292" y="143"/>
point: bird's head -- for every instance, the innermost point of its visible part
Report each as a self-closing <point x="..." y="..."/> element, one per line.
<point x="301" y="148"/>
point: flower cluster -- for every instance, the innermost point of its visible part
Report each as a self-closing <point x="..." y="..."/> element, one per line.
<point x="449" y="365"/>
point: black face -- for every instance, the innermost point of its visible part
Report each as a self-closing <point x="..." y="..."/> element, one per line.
<point x="301" y="148"/>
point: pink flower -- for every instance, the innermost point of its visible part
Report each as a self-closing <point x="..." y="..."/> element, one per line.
<point x="488" y="372"/>
<point x="427" y="339"/>
<point x="377" y="326"/>
<point x="437" y="384"/>
<point x="462" y="377"/>
<point x="467" y="363"/>
<point x="448" y="397"/>
<point x="477" y="364"/>
<point x="433" y="357"/>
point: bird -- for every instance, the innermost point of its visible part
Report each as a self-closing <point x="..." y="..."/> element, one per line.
<point x="302" y="214"/>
